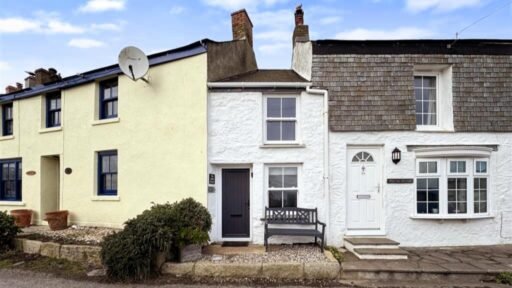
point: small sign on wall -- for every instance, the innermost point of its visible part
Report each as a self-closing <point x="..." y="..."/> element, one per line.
<point x="31" y="173"/>
<point x="211" y="179"/>
<point x="400" y="180"/>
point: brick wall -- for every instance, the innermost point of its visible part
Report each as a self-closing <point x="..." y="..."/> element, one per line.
<point x="375" y="92"/>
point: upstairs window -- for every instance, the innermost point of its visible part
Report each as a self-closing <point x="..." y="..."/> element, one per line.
<point x="7" y="120"/>
<point x="108" y="99"/>
<point x="10" y="180"/>
<point x="107" y="173"/>
<point x="282" y="186"/>
<point x="53" y="110"/>
<point x="425" y="91"/>
<point x="280" y="119"/>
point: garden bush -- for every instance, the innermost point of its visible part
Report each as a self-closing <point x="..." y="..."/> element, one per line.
<point x="162" y="229"/>
<point x="8" y="231"/>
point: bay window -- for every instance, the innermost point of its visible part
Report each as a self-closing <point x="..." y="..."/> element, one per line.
<point x="449" y="187"/>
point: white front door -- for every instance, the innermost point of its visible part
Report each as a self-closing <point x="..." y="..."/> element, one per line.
<point x="364" y="189"/>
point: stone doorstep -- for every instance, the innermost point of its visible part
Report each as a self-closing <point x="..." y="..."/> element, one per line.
<point x="358" y="241"/>
<point x="376" y="251"/>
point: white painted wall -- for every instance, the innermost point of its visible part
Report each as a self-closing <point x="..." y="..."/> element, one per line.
<point x="399" y="200"/>
<point x="235" y="136"/>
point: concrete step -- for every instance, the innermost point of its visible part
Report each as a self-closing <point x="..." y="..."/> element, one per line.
<point x="373" y="241"/>
<point x="384" y="254"/>
<point x="374" y="248"/>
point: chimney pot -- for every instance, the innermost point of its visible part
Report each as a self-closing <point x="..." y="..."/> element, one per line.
<point x="30" y="81"/>
<point x="301" y="31"/>
<point x="241" y="25"/>
<point x="10" y="89"/>
<point x="299" y="16"/>
<point x="19" y="86"/>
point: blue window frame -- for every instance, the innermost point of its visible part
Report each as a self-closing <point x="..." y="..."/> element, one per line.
<point x="107" y="173"/>
<point x="10" y="180"/>
<point x="53" y="110"/>
<point x="108" y="99"/>
<point x="7" y="122"/>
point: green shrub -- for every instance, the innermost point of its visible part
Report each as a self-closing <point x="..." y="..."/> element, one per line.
<point x="8" y="231"/>
<point x="336" y="253"/>
<point x="164" y="228"/>
<point x="504" y="278"/>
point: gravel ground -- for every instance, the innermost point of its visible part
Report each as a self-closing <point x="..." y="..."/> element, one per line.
<point x="81" y="234"/>
<point x="277" y="253"/>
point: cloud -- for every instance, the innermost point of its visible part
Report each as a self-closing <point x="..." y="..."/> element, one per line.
<point x="398" y="33"/>
<point x="232" y="5"/>
<point x="4" y="66"/>
<point x="93" y="6"/>
<point x="85" y="43"/>
<point x="440" y="5"/>
<point x="17" y="25"/>
<point x="106" y="26"/>
<point x="176" y="10"/>
<point x="330" y="20"/>
<point x="275" y="48"/>
<point x="60" y="27"/>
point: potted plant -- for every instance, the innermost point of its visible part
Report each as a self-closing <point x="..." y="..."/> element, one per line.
<point x="22" y="217"/>
<point x="57" y="220"/>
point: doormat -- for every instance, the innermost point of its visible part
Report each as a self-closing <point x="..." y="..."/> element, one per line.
<point x="235" y="244"/>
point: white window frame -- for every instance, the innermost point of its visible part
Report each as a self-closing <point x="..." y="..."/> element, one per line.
<point x="296" y="119"/>
<point x="443" y="175"/>
<point x="438" y="98"/>
<point x="267" y="176"/>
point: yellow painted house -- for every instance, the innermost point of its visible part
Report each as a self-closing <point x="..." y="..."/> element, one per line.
<point x="105" y="147"/>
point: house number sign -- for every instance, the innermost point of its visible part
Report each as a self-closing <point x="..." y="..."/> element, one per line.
<point x="400" y="180"/>
<point x="211" y="179"/>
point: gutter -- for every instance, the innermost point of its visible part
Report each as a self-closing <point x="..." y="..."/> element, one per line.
<point x="327" y="194"/>
<point x="259" y="84"/>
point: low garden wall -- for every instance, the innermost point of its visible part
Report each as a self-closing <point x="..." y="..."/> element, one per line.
<point x="87" y="255"/>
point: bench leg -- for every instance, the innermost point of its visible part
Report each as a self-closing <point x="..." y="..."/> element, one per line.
<point x="266" y="243"/>
<point x="316" y="240"/>
<point x="322" y="247"/>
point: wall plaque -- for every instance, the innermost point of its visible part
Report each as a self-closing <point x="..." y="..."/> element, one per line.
<point x="68" y="171"/>
<point x="211" y="179"/>
<point x="31" y="173"/>
<point x="400" y="180"/>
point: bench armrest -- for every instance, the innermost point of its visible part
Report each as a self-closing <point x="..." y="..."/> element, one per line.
<point x="321" y="223"/>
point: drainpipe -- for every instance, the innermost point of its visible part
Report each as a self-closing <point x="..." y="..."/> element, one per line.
<point x="325" y="94"/>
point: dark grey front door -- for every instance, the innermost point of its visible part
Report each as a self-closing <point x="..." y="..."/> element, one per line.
<point x="235" y="203"/>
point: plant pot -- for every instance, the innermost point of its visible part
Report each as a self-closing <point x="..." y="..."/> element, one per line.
<point x="191" y="253"/>
<point x="23" y="217"/>
<point x="57" y="220"/>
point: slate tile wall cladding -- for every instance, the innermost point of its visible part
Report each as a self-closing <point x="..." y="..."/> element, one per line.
<point x="375" y="92"/>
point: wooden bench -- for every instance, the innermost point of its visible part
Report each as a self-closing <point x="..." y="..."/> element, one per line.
<point x="293" y="216"/>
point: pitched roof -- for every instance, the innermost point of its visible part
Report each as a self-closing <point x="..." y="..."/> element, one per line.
<point x="266" y="75"/>
<point x="445" y="46"/>
<point x="90" y="76"/>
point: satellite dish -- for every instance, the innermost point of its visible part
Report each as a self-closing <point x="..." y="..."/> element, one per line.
<point x="134" y="63"/>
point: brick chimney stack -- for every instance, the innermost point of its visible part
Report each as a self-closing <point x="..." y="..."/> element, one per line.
<point x="10" y="89"/>
<point x="301" y="31"/>
<point x="241" y="25"/>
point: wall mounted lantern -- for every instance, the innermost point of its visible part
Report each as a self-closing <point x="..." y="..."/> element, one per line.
<point x="396" y="155"/>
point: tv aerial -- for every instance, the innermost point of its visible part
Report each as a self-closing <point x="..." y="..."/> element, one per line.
<point x="134" y="63"/>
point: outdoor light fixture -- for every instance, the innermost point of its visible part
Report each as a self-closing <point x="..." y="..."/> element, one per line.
<point x="396" y="155"/>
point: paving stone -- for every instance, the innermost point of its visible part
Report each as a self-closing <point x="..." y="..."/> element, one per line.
<point x="50" y="249"/>
<point x="178" y="269"/>
<point x="232" y="270"/>
<point x="461" y="268"/>
<point x="491" y="268"/>
<point x="289" y="270"/>
<point x="32" y="246"/>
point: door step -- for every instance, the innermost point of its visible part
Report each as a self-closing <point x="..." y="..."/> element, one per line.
<point x="375" y="248"/>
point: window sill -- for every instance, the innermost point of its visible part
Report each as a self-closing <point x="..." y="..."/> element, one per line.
<point x="283" y="145"/>
<point x="432" y="129"/>
<point x="5" y="138"/>
<point x="106" y="198"/>
<point x="12" y="203"/>
<point x="50" y="130"/>
<point x="449" y="217"/>
<point x="106" y="121"/>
